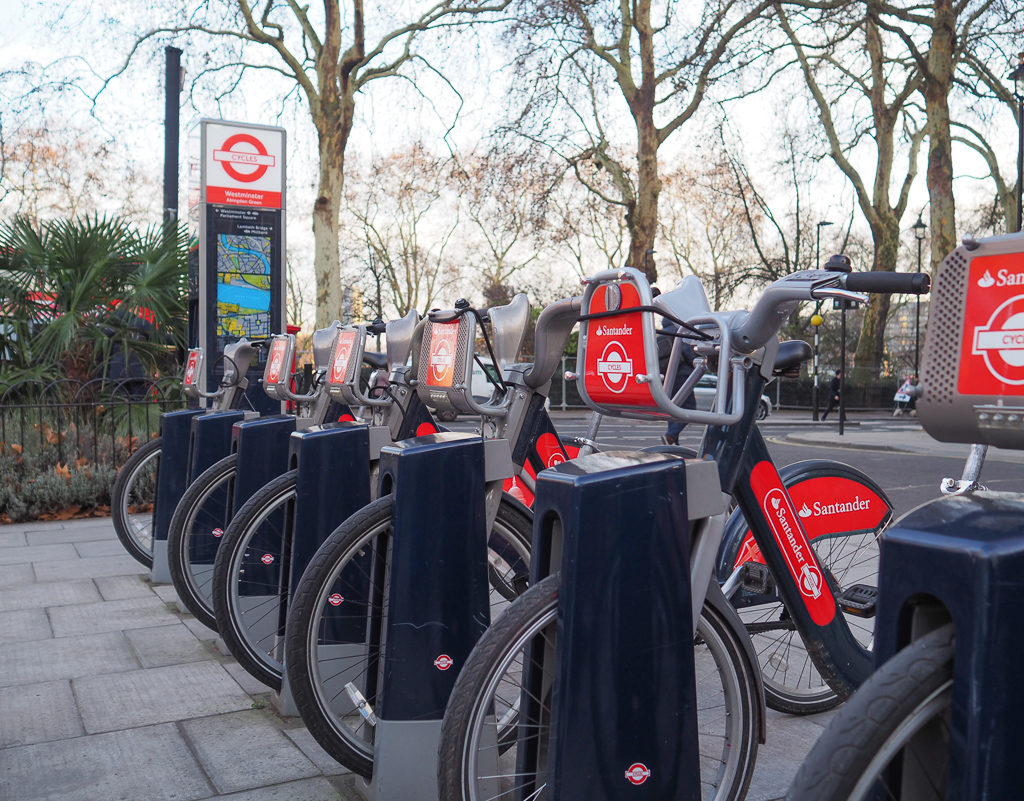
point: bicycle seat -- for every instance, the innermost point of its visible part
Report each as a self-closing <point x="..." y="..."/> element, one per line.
<point x="791" y="355"/>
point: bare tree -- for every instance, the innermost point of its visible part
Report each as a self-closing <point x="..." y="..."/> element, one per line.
<point x="586" y="66"/>
<point x="328" y="58"/>
<point x="844" y="59"/>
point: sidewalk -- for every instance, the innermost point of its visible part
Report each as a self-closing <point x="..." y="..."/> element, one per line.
<point x="109" y="692"/>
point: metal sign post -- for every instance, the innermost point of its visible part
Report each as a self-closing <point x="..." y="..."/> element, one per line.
<point x="241" y="242"/>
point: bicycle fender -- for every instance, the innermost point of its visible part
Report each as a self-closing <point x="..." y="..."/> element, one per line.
<point x="721" y="604"/>
<point x="865" y="505"/>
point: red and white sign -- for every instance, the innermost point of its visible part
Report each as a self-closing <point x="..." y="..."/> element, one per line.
<point x="792" y="540"/>
<point x="638" y="773"/>
<point x="444" y="338"/>
<point x="267" y="559"/>
<point x="342" y="353"/>
<point x="992" y="345"/>
<point x="244" y="165"/>
<point x="828" y="506"/>
<point x="443" y="662"/>
<point x="191" y="367"/>
<point x="615" y="351"/>
<point x="217" y="533"/>
<point x="335" y="599"/>
<point x="275" y="362"/>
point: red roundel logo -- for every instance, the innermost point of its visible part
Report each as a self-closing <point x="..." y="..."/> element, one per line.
<point x="335" y="599"/>
<point x="218" y="533"/>
<point x="267" y="559"/>
<point x="443" y="662"/>
<point x="638" y="773"/>
<point x="253" y="165"/>
<point x="615" y="367"/>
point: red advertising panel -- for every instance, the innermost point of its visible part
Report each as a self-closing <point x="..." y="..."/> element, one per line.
<point x="342" y="355"/>
<point x="615" y="350"/>
<point x="444" y="338"/>
<point x="992" y="345"/>
<point x="275" y="361"/>
<point x="192" y="368"/>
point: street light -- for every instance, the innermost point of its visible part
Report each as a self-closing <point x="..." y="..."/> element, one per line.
<point x="1017" y="76"/>
<point x="919" y="228"/>
<point x="817" y="264"/>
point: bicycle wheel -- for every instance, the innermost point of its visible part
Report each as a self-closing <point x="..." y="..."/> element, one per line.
<point x="792" y="682"/>
<point x="132" y="501"/>
<point x="331" y="642"/>
<point x="195" y="531"/>
<point x="247" y="575"/>
<point x="484" y="727"/>
<point x="891" y="740"/>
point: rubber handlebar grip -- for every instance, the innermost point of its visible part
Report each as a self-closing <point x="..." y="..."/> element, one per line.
<point x="890" y="283"/>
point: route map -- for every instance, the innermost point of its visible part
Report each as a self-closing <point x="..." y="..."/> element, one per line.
<point x="243" y="285"/>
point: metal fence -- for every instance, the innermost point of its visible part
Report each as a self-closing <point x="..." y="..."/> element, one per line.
<point x="75" y="423"/>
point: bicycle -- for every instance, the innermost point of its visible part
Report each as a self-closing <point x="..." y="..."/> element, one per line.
<point x="500" y="700"/>
<point x="333" y="679"/>
<point x="133" y="497"/>
<point x="205" y="508"/>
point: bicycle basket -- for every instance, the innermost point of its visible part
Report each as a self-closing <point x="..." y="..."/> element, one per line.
<point x="278" y="371"/>
<point x="972" y="370"/>
<point x="444" y="367"/>
<point x="193" y="372"/>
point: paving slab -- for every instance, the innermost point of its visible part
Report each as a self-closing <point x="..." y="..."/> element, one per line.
<point x="93" y="548"/>
<point x="148" y="764"/>
<point x="306" y="790"/>
<point x="165" y="592"/>
<point x="246" y="750"/>
<point x="16" y="576"/>
<point x="70" y="566"/>
<point x="73" y="533"/>
<point x="12" y="539"/>
<point x="245" y="679"/>
<point x="119" y="588"/>
<point x="201" y="630"/>
<point x="788" y="740"/>
<point x="164" y="645"/>
<point x="37" y="553"/>
<point x="40" y="596"/>
<point x="36" y="713"/>
<point x="65" y="658"/>
<point x="95" y="618"/>
<point x="157" y="695"/>
<point x="324" y="762"/>
<point x="24" y="625"/>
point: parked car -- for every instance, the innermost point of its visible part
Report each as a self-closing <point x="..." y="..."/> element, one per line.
<point x="707" y="389"/>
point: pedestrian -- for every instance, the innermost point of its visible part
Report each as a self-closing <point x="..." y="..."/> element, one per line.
<point x="833" y="393"/>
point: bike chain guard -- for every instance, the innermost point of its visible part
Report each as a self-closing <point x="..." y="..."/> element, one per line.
<point x="618" y="349"/>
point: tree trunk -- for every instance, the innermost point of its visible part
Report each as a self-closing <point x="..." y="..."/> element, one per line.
<point x="325" y="234"/>
<point x="868" y="358"/>
<point x="642" y="219"/>
<point x="937" y="85"/>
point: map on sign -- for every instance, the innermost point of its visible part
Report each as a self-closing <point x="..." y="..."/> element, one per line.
<point x="243" y="285"/>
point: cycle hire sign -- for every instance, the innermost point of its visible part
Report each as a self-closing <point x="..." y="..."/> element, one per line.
<point x="342" y="355"/>
<point x="992" y="345"/>
<point x="615" y="351"/>
<point x="444" y="339"/>
<point x="244" y="165"/>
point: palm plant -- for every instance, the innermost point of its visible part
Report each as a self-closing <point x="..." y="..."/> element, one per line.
<point x="75" y="292"/>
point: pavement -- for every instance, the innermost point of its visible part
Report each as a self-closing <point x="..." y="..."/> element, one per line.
<point x="109" y="690"/>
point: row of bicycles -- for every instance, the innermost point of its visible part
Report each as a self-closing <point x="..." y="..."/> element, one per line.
<point x="779" y="564"/>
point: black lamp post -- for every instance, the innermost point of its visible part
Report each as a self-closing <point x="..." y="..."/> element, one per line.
<point x="817" y="325"/>
<point x="919" y="229"/>
<point x="1017" y="76"/>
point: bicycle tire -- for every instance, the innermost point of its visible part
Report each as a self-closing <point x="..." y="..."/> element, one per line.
<point x="198" y="524"/>
<point x="477" y="719"/>
<point x="135" y="486"/>
<point x="247" y="579"/>
<point x="898" y="718"/>
<point x="333" y="721"/>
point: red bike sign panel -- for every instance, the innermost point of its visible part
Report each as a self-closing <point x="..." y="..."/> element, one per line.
<point x="444" y="338"/>
<point x="244" y="165"/>
<point x="792" y="540"/>
<point x="342" y="354"/>
<point x="275" y="362"/>
<point x="827" y="506"/>
<point x="992" y="345"/>
<point x="191" y="368"/>
<point x="615" y="349"/>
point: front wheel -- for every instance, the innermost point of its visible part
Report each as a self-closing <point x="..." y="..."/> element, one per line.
<point x="195" y="532"/>
<point x="891" y="740"/>
<point x="248" y="579"/>
<point x="133" y="500"/>
<point x="490" y="732"/>
<point x="337" y="622"/>
<point x="762" y="410"/>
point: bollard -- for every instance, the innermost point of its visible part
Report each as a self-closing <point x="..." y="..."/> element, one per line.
<point x="966" y="553"/>
<point x="438" y="603"/>
<point x="624" y="707"/>
<point x="172" y="480"/>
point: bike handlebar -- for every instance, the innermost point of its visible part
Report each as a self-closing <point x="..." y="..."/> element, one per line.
<point x="888" y="283"/>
